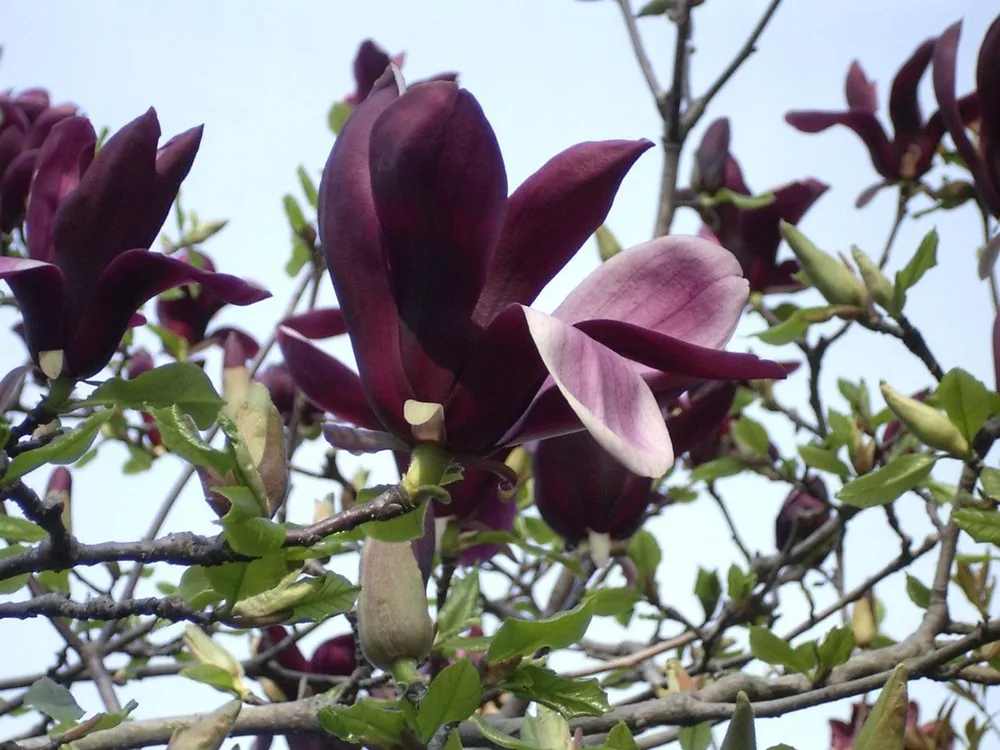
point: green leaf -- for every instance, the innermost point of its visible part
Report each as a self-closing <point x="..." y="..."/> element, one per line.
<point x="571" y="698"/>
<point x="990" y="479"/>
<point x="308" y="186"/>
<point x="607" y="244"/>
<point x="981" y="525"/>
<point x="881" y="487"/>
<point x="210" y="674"/>
<point x="750" y="435"/>
<point x="499" y="738"/>
<point x="139" y="460"/>
<point x="180" y="435"/>
<point x="823" y="459"/>
<point x="615" y="601"/>
<point x="655" y="8"/>
<point x="112" y="720"/>
<point x="183" y="384"/>
<point x="769" y="648"/>
<point x="15" y="529"/>
<point x="885" y="725"/>
<point x="246" y="532"/>
<point x="842" y="429"/>
<point x="368" y="722"/>
<point x="537" y="530"/>
<point x="196" y="589"/>
<point x="645" y="553"/>
<point x="741" y="735"/>
<point x="402" y="529"/>
<point x="293" y="211"/>
<point x="718" y="468"/>
<point x="245" y="467"/>
<point x="918" y="593"/>
<point x="740" y="584"/>
<point x="922" y="261"/>
<point x="55" y="580"/>
<point x="461" y="606"/>
<point x="338" y="115"/>
<point x="301" y="255"/>
<point x="856" y="395"/>
<point x="335" y="596"/>
<point x="15" y="583"/>
<point x="836" y="647"/>
<point x="525" y="637"/>
<point x="619" y="738"/>
<point x="698" y="737"/>
<point x="787" y="331"/>
<point x="708" y="590"/>
<point x="53" y="700"/>
<point x="238" y="580"/>
<point x="966" y="401"/>
<point x="744" y="202"/>
<point x="453" y="695"/>
<point x="64" y="449"/>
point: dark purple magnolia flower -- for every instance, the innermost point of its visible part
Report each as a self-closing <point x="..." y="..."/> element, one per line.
<point x="91" y="221"/>
<point x="751" y="234"/>
<point x="335" y="657"/>
<point x="477" y="506"/>
<point x="935" y="735"/>
<point x="983" y="162"/>
<point x="369" y="63"/>
<point x="26" y="118"/>
<point x="908" y="154"/>
<point x="584" y="493"/>
<point x="434" y="266"/>
<point x="803" y="512"/>
<point x="279" y="383"/>
<point x="188" y="310"/>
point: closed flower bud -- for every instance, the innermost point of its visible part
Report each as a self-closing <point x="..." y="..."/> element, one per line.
<point x="835" y="281"/>
<point x="929" y="425"/>
<point x="878" y="285"/>
<point x="334" y="657"/>
<point x="802" y="514"/>
<point x="60" y="489"/>
<point x="584" y="493"/>
<point x="863" y="456"/>
<point x="863" y="621"/>
<point x="208" y="733"/>
<point x="711" y="160"/>
<point x="393" y="621"/>
<point x="207" y="651"/>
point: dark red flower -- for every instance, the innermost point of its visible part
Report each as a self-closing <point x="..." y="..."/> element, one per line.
<point x="477" y="506"/>
<point x="369" y="64"/>
<point x="804" y="511"/>
<point x="91" y="221"/>
<point x="751" y="234"/>
<point x="909" y="153"/>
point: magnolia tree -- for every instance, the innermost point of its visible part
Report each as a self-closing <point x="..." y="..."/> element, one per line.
<point x="533" y="449"/>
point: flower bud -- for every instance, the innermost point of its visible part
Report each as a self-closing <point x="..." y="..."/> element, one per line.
<point x="336" y="656"/>
<point x="878" y="285"/>
<point x="863" y="456"/>
<point x="290" y="657"/>
<point x="802" y="514"/>
<point x="60" y="489"/>
<point x="207" y="651"/>
<point x="208" y="733"/>
<point x="835" y="281"/>
<point x="393" y="621"/>
<point x="863" y="621"/>
<point x="139" y="363"/>
<point x="929" y="425"/>
<point x="708" y="175"/>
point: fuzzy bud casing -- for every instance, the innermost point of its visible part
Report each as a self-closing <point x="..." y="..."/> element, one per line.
<point x="393" y="621"/>
<point x="929" y="425"/>
<point x="878" y="285"/>
<point x="835" y="281"/>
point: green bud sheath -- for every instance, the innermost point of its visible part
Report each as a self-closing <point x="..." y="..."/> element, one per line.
<point x="393" y="620"/>
<point x="878" y="285"/>
<point x="930" y="426"/>
<point x="210" y="732"/>
<point x="832" y="278"/>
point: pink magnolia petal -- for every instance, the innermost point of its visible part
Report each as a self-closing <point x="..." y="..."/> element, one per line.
<point x="697" y="285"/>
<point x="606" y="393"/>
<point x="325" y="381"/>
<point x="41" y="294"/>
<point x="322" y="323"/>
<point x="550" y="216"/>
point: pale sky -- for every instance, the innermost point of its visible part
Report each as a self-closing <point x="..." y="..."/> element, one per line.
<point x="261" y="77"/>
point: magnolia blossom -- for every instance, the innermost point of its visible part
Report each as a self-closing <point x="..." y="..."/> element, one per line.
<point x="435" y="267"/>
<point x="90" y="223"/>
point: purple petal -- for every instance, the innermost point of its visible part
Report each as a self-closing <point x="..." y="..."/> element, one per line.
<point x="988" y="87"/>
<point x="133" y="278"/>
<point x="322" y="323"/>
<point x="476" y="487"/>
<point x="861" y="121"/>
<point x="360" y="441"/>
<point x="607" y="393"/>
<point x="706" y="408"/>
<point x="325" y="381"/>
<point x="550" y="216"/>
<point x="247" y="342"/>
<point x="369" y="63"/>
<point x="697" y="286"/>
<point x="14" y="190"/>
<point x="945" y="53"/>
<point x="859" y="90"/>
<point x="349" y="229"/>
<point x="904" y="103"/>
<point x="60" y="166"/>
<point x="734" y="177"/>
<point x="712" y="157"/>
<point x="492" y="514"/>
<point x="10" y="386"/>
<point x="41" y="294"/>
<point x="441" y="194"/>
<point x="43" y="125"/>
<point x="499" y="381"/>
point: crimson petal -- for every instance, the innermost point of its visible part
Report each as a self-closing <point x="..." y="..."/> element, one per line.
<point x="861" y="121"/>
<point x="904" y="104"/>
<point x="41" y="295"/>
<point x="321" y="323"/>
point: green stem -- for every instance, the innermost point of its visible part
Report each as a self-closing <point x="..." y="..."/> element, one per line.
<point x="428" y="464"/>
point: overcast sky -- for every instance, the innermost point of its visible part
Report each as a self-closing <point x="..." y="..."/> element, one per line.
<point x="261" y="77"/>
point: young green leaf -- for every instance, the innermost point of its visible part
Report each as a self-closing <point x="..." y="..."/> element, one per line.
<point x="965" y="399"/>
<point x="369" y="722"/>
<point x="460" y="607"/>
<point x="524" y="637"/>
<point x="453" y="695"/>
<point x="570" y="697"/>
<point x="64" y="449"/>
<point x="769" y="648"/>
<point x="922" y="261"/>
<point x="881" y="487"/>
<point x="53" y="700"/>
<point x="981" y="525"/>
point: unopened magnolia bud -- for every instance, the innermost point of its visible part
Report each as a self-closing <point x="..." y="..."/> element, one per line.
<point x="953" y="194"/>
<point x="60" y="489"/>
<point x="210" y="732"/>
<point x="879" y="286"/>
<point x="393" y="620"/>
<point x="929" y="425"/>
<point x="863" y="622"/>
<point x="207" y="651"/>
<point x="863" y="456"/>
<point x="335" y="657"/>
<point x="835" y="281"/>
